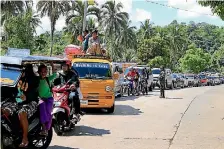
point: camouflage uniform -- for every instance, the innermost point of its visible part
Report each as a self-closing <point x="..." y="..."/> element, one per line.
<point x="162" y="82"/>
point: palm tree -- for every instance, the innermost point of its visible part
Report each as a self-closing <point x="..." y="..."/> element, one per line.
<point x="74" y="19"/>
<point x="177" y="42"/>
<point x="10" y="8"/>
<point x="113" y="20"/>
<point x="91" y="24"/>
<point x="53" y="9"/>
<point x="127" y="38"/>
<point x="146" y="29"/>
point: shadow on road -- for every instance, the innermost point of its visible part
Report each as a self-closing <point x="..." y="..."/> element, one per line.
<point x="119" y="110"/>
<point x="87" y="131"/>
<point x="60" y="147"/>
<point x="125" y="98"/>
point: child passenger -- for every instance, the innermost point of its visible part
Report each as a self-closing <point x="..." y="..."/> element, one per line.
<point x="46" y="102"/>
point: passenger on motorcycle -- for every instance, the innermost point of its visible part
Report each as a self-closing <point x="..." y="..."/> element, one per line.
<point x="27" y="101"/>
<point x="75" y="94"/>
<point x="133" y="76"/>
<point x="47" y="100"/>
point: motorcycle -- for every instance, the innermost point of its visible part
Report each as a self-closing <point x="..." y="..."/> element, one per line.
<point x="11" y="132"/>
<point x="126" y="87"/>
<point x="135" y="86"/>
<point x="62" y="120"/>
<point x="144" y="87"/>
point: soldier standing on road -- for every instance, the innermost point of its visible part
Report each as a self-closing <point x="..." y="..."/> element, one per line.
<point x="162" y="82"/>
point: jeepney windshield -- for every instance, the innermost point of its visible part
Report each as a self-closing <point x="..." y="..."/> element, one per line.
<point x="91" y="70"/>
<point x="9" y="75"/>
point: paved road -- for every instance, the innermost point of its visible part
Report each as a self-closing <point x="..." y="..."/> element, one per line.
<point x="191" y="118"/>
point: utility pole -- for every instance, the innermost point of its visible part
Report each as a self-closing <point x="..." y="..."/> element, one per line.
<point x="84" y="17"/>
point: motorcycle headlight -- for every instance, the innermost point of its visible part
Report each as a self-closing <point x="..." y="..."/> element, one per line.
<point x="108" y="88"/>
<point x="57" y="103"/>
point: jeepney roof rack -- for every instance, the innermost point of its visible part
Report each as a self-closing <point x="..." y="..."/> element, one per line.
<point x="93" y="57"/>
<point x="20" y="60"/>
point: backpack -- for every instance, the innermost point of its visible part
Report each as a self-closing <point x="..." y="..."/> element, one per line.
<point x="48" y="82"/>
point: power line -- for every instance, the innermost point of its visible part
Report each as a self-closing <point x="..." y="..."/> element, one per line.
<point x="179" y="8"/>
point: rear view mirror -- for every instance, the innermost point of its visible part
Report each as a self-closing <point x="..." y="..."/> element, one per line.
<point x="115" y="76"/>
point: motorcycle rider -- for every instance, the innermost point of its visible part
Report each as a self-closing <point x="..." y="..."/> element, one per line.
<point x="134" y="75"/>
<point x="136" y="80"/>
<point x="145" y="75"/>
<point x="74" y="97"/>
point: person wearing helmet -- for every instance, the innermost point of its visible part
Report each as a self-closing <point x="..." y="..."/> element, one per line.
<point x="71" y="75"/>
<point x="162" y="82"/>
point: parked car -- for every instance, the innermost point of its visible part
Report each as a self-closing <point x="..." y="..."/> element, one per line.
<point x="217" y="80"/>
<point x="211" y="81"/>
<point x="184" y="80"/>
<point x="203" y="79"/>
<point x="222" y="79"/>
<point x="168" y="77"/>
<point x="190" y="79"/>
<point x="174" y="77"/>
<point x="177" y="80"/>
<point x="197" y="81"/>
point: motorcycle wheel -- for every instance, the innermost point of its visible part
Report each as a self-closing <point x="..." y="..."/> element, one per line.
<point x="129" y="91"/>
<point x="45" y="142"/>
<point x="58" y="125"/>
<point x="57" y="130"/>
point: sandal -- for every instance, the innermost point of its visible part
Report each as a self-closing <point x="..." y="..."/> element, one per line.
<point x="23" y="145"/>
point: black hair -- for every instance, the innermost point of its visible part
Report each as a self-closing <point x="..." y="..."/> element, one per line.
<point x="95" y="31"/>
<point x="86" y="31"/>
<point x="29" y="70"/>
<point x="41" y="67"/>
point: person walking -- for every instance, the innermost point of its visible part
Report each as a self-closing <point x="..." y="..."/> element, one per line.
<point x="162" y="82"/>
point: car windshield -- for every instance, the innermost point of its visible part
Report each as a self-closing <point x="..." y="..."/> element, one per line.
<point x="156" y="71"/>
<point x="89" y="70"/>
<point x="9" y="75"/>
<point x="174" y="75"/>
<point x="202" y="76"/>
<point x="190" y="76"/>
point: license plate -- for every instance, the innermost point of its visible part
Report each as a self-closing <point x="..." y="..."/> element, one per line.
<point x="84" y="102"/>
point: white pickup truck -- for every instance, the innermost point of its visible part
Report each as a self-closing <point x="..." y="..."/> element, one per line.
<point x="168" y="77"/>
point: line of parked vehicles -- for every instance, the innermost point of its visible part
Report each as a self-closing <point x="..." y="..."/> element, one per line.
<point x="173" y="80"/>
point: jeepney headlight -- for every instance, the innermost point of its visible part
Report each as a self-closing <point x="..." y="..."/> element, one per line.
<point x="108" y="88"/>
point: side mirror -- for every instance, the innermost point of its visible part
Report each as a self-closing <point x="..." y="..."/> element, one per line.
<point x="115" y="76"/>
<point x="57" y="81"/>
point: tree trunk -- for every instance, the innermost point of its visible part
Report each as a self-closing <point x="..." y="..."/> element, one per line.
<point x="52" y="37"/>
